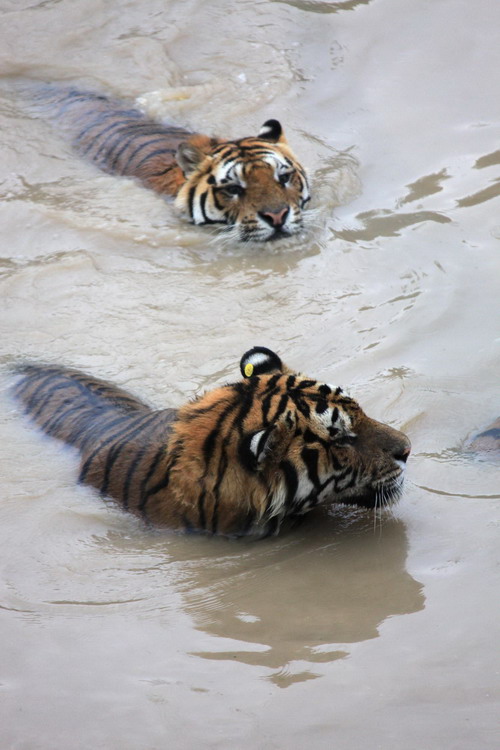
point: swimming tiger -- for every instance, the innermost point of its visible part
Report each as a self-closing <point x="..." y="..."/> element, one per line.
<point x="486" y="442"/>
<point x="236" y="461"/>
<point x="254" y="185"/>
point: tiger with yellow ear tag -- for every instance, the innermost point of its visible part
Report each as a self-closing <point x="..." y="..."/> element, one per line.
<point x="236" y="461"/>
<point x="253" y="187"/>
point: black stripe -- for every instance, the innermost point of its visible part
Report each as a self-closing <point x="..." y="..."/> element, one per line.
<point x="84" y="389"/>
<point x="30" y="374"/>
<point x="352" y="481"/>
<point x="160" y="453"/>
<point x="195" y="412"/>
<point x="77" y="97"/>
<point x="127" y="130"/>
<point x="53" y="423"/>
<point x="228" y="163"/>
<point x="36" y="409"/>
<point x="337" y="465"/>
<point x="225" y="147"/>
<point x="122" y="139"/>
<point x="100" y="445"/>
<point x="301" y="405"/>
<point x="283" y="403"/>
<point x="217" y="204"/>
<point x="307" y="384"/>
<point x="310" y="457"/>
<point x="130" y="474"/>
<point x="191" y="200"/>
<point x="291" y="481"/>
<point x="134" y="153"/>
<point x="266" y="405"/>
<point x="174" y="165"/>
<point x="116" y="450"/>
<point x="98" y="136"/>
<point x="248" y="393"/>
<point x="342" y="476"/>
<point x="30" y="402"/>
<point x="117" y="440"/>
<point x="136" y="461"/>
<point x="209" y="443"/>
<point x="156" y="152"/>
<point x="321" y="406"/>
<point x="203" y="202"/>
<point x="173" y="458"/>
<point x="221" y="472"/>
<point x="272" y="382"/>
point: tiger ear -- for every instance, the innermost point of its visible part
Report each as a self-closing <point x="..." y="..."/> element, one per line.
<point x="260" y="361"/>
<point x="272" y="131"/>
<point x="191" y="153"/>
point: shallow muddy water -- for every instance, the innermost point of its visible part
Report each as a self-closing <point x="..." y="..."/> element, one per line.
<point x="348" y="631"/>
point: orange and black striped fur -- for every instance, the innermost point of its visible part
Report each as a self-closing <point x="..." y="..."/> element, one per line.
<point x="238" y="460"/>
<point x="253" y="185"/>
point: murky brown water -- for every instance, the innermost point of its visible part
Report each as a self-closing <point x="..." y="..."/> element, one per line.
<point x="339" y="634"/>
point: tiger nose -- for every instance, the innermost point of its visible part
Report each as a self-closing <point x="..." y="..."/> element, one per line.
<point x="403" y="450"/>
<point x="275" y="218"/>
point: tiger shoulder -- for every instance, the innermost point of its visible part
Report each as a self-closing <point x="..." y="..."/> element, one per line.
<point x="238" y="460"/>
<point x="253" y="187"/>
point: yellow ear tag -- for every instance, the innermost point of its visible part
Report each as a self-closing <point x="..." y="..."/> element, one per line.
<point x="248" y="369"/>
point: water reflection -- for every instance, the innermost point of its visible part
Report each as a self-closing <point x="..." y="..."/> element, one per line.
<point x="301" y="599"/>
<point x="317" y="6"/>
<point x="423" y="187"/>
<point x="386" y="223"/>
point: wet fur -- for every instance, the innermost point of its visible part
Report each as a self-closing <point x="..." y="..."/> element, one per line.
<point x="253" y="184"/>
<point x="238" y="460"/>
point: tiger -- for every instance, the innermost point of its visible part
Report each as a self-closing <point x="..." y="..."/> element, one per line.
<point x="486" y="442"/>
<point x="253" y="187"/>
<point x="238" y="461"/>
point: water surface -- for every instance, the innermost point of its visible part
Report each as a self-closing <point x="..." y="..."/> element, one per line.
<point x="344" y="632"/>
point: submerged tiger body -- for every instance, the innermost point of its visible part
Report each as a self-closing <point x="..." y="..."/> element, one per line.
<point x="237" y="461"/>
<point x="254" y="185"/>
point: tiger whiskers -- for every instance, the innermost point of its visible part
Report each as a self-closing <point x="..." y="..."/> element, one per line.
<point x="313" y="219"/>
<point x="386" y="497"/>
<point x="231" y="234"/>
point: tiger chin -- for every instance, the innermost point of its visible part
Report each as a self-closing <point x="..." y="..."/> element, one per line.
<point x="254" y="187"/>
<point x="237" y="461"/>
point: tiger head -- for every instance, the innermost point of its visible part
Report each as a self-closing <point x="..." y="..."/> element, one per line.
<point x="281" y="443"/>
<point x="254" y="185"/>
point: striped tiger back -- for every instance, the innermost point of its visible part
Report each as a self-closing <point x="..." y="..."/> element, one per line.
<point x="118" y="138"/>
<point x="238" y="460"/>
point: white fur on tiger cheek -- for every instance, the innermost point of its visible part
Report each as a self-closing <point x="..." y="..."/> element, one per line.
<point x="278" y="502"/>
<point x="198" y="217"/>
<point x="254" y="445"/>
<point x="342" y="422"/>
<point x="233" y="172"/>
<point x="305" y="486"/>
